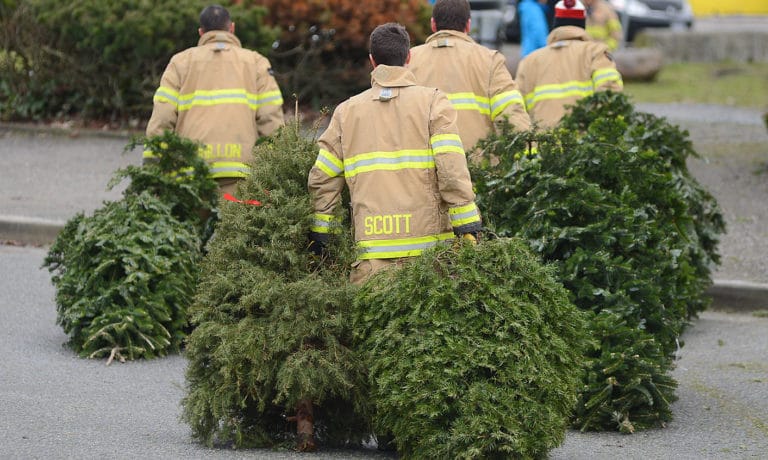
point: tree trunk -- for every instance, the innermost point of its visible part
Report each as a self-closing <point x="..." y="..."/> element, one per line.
<point x="305" y="426"/>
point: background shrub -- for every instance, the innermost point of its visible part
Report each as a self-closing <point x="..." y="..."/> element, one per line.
<point x="321" y="55"/>
<point x="100" y="59"/>
<point x="610" y="202"/>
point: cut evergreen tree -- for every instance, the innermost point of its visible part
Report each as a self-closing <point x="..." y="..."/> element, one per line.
<point x="609" y="201"/>
<point x="273" y="322"/>
<point x="474" y="352"/>
<point x="125" y="275"/>
<point x="178" y="176"/>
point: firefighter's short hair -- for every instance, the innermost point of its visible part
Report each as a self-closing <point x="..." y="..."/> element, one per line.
<point x="214" y="17"/>
<point x="451" y="14"/>
<point x="389" y="44"/>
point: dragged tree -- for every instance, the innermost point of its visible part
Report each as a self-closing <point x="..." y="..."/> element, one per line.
<point x="609" y="201"/>
<point x="474" y="352"/>
<point x="125" y="275"/>
<point x="270" y="361"/>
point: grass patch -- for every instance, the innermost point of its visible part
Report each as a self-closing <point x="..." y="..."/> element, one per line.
<point x="726" y="83"/>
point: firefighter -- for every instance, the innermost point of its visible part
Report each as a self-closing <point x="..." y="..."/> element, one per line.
<point x="219" y="94"/>
<point x="475" y="78"/>
<point x="397" y="148"/>
<point x="570" y="67"/>
<point x="603" y="23"/>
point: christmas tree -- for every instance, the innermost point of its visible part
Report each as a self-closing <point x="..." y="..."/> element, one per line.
<point x="270" y="361"/>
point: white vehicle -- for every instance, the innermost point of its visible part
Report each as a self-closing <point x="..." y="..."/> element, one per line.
<point x="488" y="22"/>
<point x="642" y="14"/>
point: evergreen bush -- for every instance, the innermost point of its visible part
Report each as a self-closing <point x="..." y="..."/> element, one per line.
<point x="98" y="59"/>
<point x="610" y="202"/>
<point x="125" y="275"/>
<point x="474" y="352"/>
<point x="272" y="337"/>
<point x="321" y="55"/>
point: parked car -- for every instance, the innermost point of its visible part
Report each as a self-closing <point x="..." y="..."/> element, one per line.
<point x="511" y="22"/>
<point x="488" y="22"/>
<point x="635" y="16"/>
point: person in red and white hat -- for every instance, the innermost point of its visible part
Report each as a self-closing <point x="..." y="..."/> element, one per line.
<point x="570" y="67"/>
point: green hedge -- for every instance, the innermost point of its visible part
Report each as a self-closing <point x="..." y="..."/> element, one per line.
<point x="99" y="59"/>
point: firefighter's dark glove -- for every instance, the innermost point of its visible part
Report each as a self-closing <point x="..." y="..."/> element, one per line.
<point x="317" y="243"/>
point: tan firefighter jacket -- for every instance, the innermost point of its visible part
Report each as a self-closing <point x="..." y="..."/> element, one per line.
<point x="397" y="148"/>
<point x="603" y="24"/>
<point x="476" y="80"/>
<point x="222" y="95"/>
<point x="569" y="68"/>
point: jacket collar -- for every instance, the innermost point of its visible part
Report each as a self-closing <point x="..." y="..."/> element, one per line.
<point x="567" y="33"/>
<point x="447" y="35"/>
<point x="219" y="36"/>
<point x="387" y="76"/>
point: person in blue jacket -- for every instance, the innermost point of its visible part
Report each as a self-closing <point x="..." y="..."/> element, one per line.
<point x="533" y="25"/>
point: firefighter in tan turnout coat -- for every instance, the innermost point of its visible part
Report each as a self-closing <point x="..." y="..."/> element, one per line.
<point x="397" y="148"/>
<point x="603" y="23"/>
<point x="569" y="68"/>
<point x="475" y="78"/>
<point x="220" y="94"/>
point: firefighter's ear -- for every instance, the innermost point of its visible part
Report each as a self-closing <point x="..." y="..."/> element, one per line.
<point x="433" y="25"/>
<point x="468" y="27"/>
<point x="408" y="58"/>
<point x="232" y="27"/>
<point x="373" y="61"/>
<point x="200" y="31"/>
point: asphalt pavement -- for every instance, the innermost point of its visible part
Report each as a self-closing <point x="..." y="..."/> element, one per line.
<point x="54" y="405"/>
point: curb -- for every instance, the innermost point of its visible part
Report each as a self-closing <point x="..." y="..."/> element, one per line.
<point x="70" y="131"/>
<point x="29" y="230"/>
<point x="727" y="295"/>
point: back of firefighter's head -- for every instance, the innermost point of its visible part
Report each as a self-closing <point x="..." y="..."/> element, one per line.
<point x="569" y="13"/>
<point x="390" y="45"/>
<point x="450" y="15"/>
<point x="215" y="17"/>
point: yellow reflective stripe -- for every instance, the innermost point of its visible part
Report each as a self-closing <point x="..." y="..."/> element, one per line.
<point x="462" y="215"/>
<point x="325" y="223"/>
<point x="558" y="91"/>
<point x="446" y="143"/>
<point x="388" y="161"/>
<point x="165" y="94"/>
<point x="221" y="169"/>
<point x="501" y="101"/>
<point x="601" y="76"/>
<point x="470" y="101"/>
<point x="598" y="33"/>
<point x="269" y="98"/>
<point x="183" y="173"/>
<point x="329" y="164"/>
<point x="201" y="98"/>
<point x="402" y="247"/>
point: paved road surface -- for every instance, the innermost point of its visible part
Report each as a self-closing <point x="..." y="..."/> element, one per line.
<point x="55" y="405"/>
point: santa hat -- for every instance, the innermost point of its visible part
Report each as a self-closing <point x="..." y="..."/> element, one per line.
<point x="569" y="13"/>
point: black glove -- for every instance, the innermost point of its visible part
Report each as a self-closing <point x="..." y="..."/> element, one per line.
<point x="317" y="242"/>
